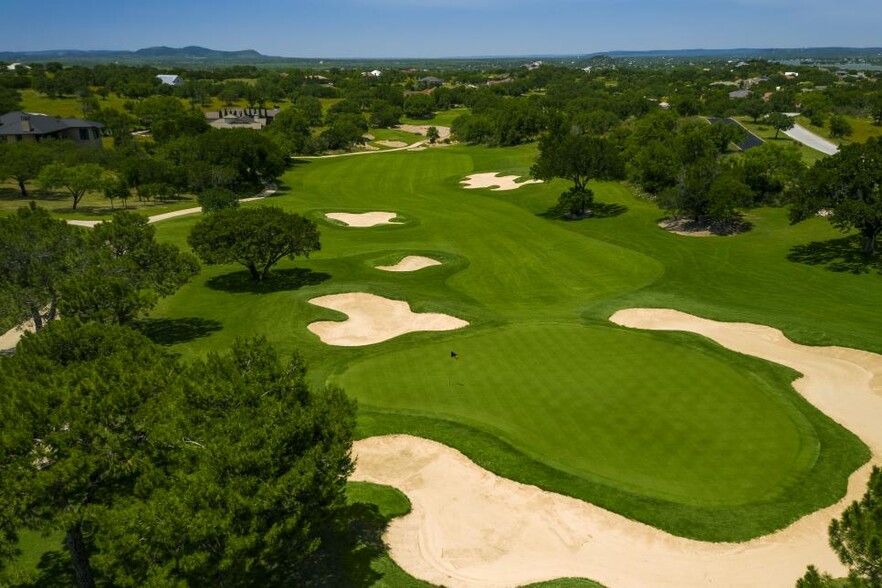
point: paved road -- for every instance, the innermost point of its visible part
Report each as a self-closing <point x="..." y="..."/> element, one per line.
<point x="809" y="139"/>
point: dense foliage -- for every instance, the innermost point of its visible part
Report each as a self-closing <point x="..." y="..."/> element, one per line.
<point x="221" y="472"/>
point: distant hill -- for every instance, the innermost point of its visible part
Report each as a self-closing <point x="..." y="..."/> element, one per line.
<point x="756" y="53"/>
<point x="184" y="56"/>
<point x="196" y="57"/>
<point x="197" y="52"/>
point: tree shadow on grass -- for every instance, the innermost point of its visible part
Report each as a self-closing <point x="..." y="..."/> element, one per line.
<point x="278" y="281"/>
<point x="53" y="571"/>
<point x="164" y="331"/>
<point x="597" y="210"/>
<point x="347" y="551"/>
<point x="838" y="255"/>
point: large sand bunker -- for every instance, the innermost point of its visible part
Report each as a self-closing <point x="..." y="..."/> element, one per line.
<point x="374" y="319"/>
<point x="490" y="179"/>
<point x="364" y="219"/>
<point x="411" y="263"/>
<point x="469" y="527"/>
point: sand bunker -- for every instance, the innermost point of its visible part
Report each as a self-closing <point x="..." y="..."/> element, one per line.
<point x="469" y="527"/>
<point x="682" y="227"/>
<point x="393" y="144"/>
<point x="374" y="319"/>
<point x="365" y="219"/>
<point x="443" y="132"/>
<point x="411" y="263"/>
<point x="488" y="180"/>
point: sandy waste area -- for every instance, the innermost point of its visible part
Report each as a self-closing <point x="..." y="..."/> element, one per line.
<point x="411" y="263"/>
<point x="364" y="219"/>
<point x="374" y="319"/>
<point x="491" y="179"/>
<point x="470" y="527"/>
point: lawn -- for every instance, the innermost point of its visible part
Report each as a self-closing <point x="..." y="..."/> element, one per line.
<point x="696" y="440"/>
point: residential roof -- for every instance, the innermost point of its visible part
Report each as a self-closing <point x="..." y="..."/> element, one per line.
<point x="41" y="124"/>
<point x="739" y="94"/>
<point x="431" y="80"/>
<point x="170" y="79"/>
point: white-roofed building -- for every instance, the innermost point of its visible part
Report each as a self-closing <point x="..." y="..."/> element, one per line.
<point x="171" y="79"/>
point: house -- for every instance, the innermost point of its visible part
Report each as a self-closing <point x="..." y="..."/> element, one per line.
<point x="171" y="79"/>
<point x="791" y="74"/>
<point x="241" y="118"/>
<point x="533" y="65"/>
<point x="15" y="66"/>
<point x="25" y="126"/>
<point x="722" y="83"/>
<point x="739" y="94"/>
<point x="430" y="81"/>
<point x="374" y="73"/>
<point x="664" y="105"/>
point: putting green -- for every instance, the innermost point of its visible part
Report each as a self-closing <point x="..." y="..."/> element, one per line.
<point x="624" y="408"/>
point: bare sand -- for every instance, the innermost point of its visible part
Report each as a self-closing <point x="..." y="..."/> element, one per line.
<point x="392" y="144"/>
<point x="443" y="132"/>
<point x="502" y="183"/>
<point x="10" y="338"/>
<point x="469" y="527"/>
<point x="680" y="227"/>
<point x="364" y="219"/>
<point x="374" y="319"/>
<point x="411" y="263"/>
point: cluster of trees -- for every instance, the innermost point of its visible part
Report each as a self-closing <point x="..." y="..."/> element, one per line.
<point x="848" y="186"/>
<point x="110" y="274"/>
<point x="225" y="471"/>
<point x="240" y="160"/>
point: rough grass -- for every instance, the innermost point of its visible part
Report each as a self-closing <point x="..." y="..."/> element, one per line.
<point x="93" y="206"/>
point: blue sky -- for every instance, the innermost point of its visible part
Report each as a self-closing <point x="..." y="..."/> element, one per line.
<point x="438" y="28"/>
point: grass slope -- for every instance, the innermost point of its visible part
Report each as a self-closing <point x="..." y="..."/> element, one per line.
<point x="666" y="428"/>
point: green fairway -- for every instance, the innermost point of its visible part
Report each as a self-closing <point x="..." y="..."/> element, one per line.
<point x="666" y="428"/>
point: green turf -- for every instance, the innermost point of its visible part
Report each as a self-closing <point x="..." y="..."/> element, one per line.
<point x="665" y="428"/>
<point x="584" y="408"/>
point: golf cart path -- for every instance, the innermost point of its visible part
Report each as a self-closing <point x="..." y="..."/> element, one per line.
<point x="412" y="146"/>
<point x="809" y="139"/>
<point x="174" y="214"/>
<point x="470" y="527"/>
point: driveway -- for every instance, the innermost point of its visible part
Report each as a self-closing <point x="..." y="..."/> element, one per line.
<point x="809" y="139"/>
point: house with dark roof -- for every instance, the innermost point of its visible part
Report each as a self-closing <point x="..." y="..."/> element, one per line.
<point x="430" y="81"/>
<point x="25" y="126"/>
